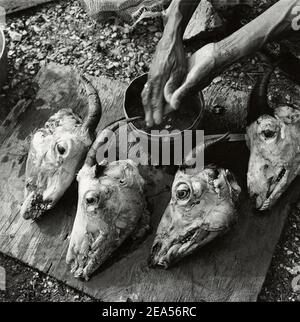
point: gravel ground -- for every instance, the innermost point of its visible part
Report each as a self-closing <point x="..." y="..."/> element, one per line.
<point x="62" y="32"/>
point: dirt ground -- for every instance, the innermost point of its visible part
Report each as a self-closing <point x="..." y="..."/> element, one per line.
<point x="54" y="32"/>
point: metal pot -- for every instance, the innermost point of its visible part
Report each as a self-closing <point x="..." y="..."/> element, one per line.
<point x="3" y="59"/>
<point x="133" y="97"/>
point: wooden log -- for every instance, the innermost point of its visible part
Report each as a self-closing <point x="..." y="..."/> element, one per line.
<point x="232" y="268"/>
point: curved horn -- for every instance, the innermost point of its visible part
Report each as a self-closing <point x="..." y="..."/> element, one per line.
<point x="102" y="138"/>
<point x="95" y="110"/>
<point x="202" y="147"/>
<point x="258" y="104"/>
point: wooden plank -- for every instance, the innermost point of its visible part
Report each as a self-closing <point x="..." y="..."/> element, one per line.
<point x="232" y="268"/>
<point x="11" y="6"/>
<point x="2" y="279"/>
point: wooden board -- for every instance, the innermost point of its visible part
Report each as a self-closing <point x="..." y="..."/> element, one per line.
<point x="11" y="6"/>
<point x="232" y="268"/>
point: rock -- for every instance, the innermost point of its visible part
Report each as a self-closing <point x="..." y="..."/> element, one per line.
<point x="110" y="66"/>
<point x="15" y="36"/>
<point x="205" y="18"/>
<point x="296" y="284"/>
<point x="40" y="56"/>
<point x="217" y="80"/>
<point x="152" y="28"/>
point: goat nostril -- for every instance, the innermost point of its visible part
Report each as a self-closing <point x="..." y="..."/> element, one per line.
<point x="155" y="249"/>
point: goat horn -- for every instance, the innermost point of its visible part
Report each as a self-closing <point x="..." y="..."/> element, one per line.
<point x="94" y="110"/>
<point x="258" y="102"/>
<point x="102" y="138"/>
<point x="202" y="147"/>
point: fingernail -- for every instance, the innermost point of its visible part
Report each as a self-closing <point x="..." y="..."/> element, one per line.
<point x="157" y="116"/>
<point x="149" y="123"/>
<point x="175" y="103"/>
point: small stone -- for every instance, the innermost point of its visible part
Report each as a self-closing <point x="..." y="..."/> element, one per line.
<point x="110" y="66"/>
<point x="152" y="28"/>
<point x="121" y="224"/>
<point x="40" y="56"/>
<point x="217" y="80"/>
<point x="296" y="284"/>
<point x="14" y="82"/>
<point x="15" y="36"/>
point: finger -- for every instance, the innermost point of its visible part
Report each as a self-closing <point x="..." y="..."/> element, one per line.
<point x="174" y="82"/>
<point x="201" y="67"/>
<point x="158" y="111"/>
<point x="157" y="102"/>
<point x="180" y="94"/>
<point x="146" y="100"/>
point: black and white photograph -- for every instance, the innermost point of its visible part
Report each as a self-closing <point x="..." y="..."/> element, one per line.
<point x="149" y="152"/>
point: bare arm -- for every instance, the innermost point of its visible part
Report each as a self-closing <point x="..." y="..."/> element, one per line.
<point x="169" y="65"/>
<point x="270" y="25"/>
<point x="214" y="58"/>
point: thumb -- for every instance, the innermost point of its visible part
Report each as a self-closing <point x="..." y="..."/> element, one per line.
<point x="201" y="70"/>
<point x="182" y="92"/>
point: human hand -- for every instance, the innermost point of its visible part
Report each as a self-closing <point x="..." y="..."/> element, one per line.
<point x="167" y="71"/>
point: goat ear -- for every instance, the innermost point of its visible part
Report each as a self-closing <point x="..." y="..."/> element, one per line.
<point x="288" y="114"/>
<point x="100" y="168"/>
<point x="236" y="189"/>
<point x="132" y="171"/>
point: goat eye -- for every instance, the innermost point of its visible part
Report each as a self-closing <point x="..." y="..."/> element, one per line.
<point x="61" y="149"/>
<point x="214" y="173"/>
<point x="183" y="192"/>
<point x="91" y="199"/>
<point x="122" y="181"/>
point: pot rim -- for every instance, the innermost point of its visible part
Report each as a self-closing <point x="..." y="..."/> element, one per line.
<point x="190" y="127"/>
<point x="2" y="48"/>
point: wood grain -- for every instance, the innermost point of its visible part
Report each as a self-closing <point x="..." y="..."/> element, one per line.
<point x="232" y="268"/>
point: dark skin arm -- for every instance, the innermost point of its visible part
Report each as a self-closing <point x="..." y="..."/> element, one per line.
<point x="212" y="59"/>
<point x="169" y="65"/>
